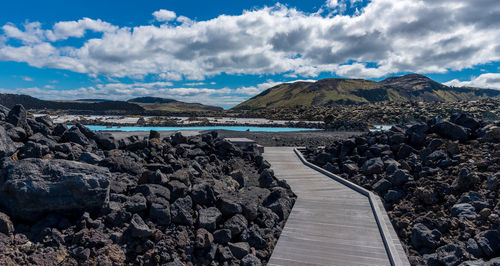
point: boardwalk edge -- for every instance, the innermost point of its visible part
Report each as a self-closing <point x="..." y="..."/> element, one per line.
<point x="374" y="200"/>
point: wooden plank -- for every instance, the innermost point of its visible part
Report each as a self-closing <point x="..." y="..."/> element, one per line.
<point x="330" y="223"/>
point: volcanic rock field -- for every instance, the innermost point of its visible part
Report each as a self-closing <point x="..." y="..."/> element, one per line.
<point x="440" y="181"/>
<point x="74" y="196"/>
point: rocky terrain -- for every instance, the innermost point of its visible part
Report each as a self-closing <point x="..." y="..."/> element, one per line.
<point x="381" y="112"/>
<point x="166" y="121"/>
<point x="440" y="183"/>
<point x="293" y="139"/>
<point x="74" y="196"/>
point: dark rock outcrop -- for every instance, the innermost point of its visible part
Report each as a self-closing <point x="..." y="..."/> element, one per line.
<point x="34" y="187"/>
<point x="7" y="146"/>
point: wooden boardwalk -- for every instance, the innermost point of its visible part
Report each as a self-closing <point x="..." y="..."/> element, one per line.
<point x="333" y="222"/>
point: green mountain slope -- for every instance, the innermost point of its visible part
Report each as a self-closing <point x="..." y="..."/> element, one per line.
<point x="412" y="87"/>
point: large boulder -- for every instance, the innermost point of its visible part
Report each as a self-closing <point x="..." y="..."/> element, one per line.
<point x="33" y="150"/>
<point x="452" y="131"/>
<point x="75" y="135"/>
<point x="209" y="217"/>
<point x="464" y="210"/>
<point x="490" y="133"/>
<point x="160" y="211"/>
<point x="17" y="134"/>
<point x="416" y="135"/>
<point x="373" y="166"/>
<point x="239" y="249"/>
<point x="123" y="165"/>
<point x="139" y="228"/>
<point x="450" y="254"/>
<point x="18" y="117"/>
<point x="39" y="127"/>
<point x="7" y="146"/>
<point x="34" y="187"/>
<point x="46" y="120"/>
<point x="422" y="236"/>
<point x="250" y="260"/>
<point x="236" y="224"/>
<point x="266" y="178"/>
<point x="203" y="194"/>
<point x="181" y="211"/>
<point x="4" y="110"/>
<point x="465" y="121"/>
<point x="466" y="179"/>
<point x="6" y="225"/>
<point x="489" y="241"/>
<point x="105" y="141"/>
<point x="399" y="177"/>
<point x="204" y="239"/>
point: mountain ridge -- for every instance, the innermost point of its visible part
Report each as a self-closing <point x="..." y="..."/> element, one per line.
<point x="171" y="105"/>
<point x="411" y="87"/>
<point x="140" y="105"/>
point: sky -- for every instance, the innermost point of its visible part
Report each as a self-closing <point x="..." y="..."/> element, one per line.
<point x="224" y="52"/>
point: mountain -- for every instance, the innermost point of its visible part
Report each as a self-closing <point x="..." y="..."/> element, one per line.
<point x="93" y="100"/>
<point x="171" y="105"/>
<point x="151" y="100"/>
<point x="136" y="106"/>
<point x="411" y="87"/>
<point x="32" y="103"/>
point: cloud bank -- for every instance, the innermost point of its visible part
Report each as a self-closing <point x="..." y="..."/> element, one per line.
<point x="384" y="37"/>
<point x="488" y="80"/>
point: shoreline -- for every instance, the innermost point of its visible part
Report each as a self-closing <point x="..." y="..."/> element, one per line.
<point x="295" y="138"/>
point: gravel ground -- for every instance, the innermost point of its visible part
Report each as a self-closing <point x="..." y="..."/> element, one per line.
<point x="299" y="138"/>
<point x="302" y="138"/>
<point x="123" y="134"/>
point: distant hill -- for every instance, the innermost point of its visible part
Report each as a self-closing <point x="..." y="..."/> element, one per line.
<point x="412" y="87"/>
<point x="171" y="105"/>
<point x="93" y="100"/>
<point x="32" y="103"/>
<point x="151" y="100"/>
<point x="142" y="106"/>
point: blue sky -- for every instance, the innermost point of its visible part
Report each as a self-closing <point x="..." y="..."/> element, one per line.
<point x="223" y="52"/>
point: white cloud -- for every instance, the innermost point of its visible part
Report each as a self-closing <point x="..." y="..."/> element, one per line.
<point x="26" y="78"/>
<point x="426" y="36"/>
<point x="487" y="80"/>
<point x="123" y="91"/>
<point x="163" y="15"/>
<point x="65" y="29"/>
<point x="332" y="3"/>
<point x="195" y="84"/>
<point x="173" y="76"/>
<point x="184" y="20"/>
<point x="254" y="90"/>
<point x="225" y="97"/>
<point x="32" y="33"/>
<point x="150" y="85"/>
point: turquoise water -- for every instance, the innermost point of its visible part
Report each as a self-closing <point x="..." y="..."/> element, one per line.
<point x="235" y="128"/>
<point x="381" y="127"/>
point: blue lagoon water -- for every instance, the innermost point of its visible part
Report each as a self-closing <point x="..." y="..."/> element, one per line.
<point x="234" y="128"/>
<point x="381" y="127"/>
